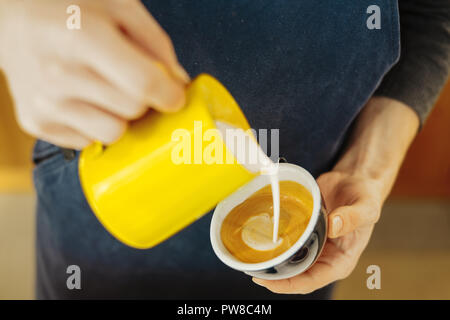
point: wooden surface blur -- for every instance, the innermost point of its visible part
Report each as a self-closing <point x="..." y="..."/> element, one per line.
<point x="15" y="147"/>
<point x="426" y="169"/>
<point x="425" y="172"/>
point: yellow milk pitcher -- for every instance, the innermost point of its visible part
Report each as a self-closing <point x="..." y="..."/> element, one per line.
<point x="136" y="190"/>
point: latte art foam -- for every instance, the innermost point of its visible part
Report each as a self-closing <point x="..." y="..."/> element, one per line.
<point x="246" y="231"/>
<point x="257" y="233"/>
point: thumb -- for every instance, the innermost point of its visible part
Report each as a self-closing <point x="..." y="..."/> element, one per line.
<point x="346" y="219"/>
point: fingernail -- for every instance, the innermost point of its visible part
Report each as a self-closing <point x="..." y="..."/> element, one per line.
<point x="182" y="74"/>
<point x="171" y="98"/>
<point x="336" y="225"/>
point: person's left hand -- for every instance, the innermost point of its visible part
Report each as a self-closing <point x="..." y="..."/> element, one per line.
<point x="354" y="204"/>
<point x="355" y="190"/>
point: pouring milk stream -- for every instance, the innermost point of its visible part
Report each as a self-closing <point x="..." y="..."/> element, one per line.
<point x="250" y="155"/>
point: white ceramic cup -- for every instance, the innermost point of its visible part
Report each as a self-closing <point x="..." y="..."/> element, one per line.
<point x="299" y="257"/>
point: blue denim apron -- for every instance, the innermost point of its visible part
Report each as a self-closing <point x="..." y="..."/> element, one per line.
<point x="306" y="67"/>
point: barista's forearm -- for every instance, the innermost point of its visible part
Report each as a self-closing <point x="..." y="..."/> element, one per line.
<point x="380" y="139"/>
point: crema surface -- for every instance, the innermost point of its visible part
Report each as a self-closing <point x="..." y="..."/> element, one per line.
<point x="247" y="230"/>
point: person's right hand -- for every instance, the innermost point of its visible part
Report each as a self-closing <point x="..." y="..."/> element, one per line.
<point x="72" y="87"/>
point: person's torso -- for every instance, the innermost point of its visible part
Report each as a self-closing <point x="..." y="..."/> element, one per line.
<point x="304" y="67"/>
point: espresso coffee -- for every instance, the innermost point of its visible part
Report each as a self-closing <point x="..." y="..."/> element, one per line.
<point x="247" y="231"/>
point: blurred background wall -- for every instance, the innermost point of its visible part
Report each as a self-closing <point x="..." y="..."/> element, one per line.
<point x="411" y="242"/>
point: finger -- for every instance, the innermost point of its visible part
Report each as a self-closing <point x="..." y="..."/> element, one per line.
<point x="81" y="83"/>
<point x="41" y="126"/>
<point x="125" y="65"/>
<point x="61" y="135"/>
<point x="91" y="121"/>
<point x="333" y="264"/>
<point x="304" y="283"/>
<point x="142" y="28"/>
<point x="346" y="219"/>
